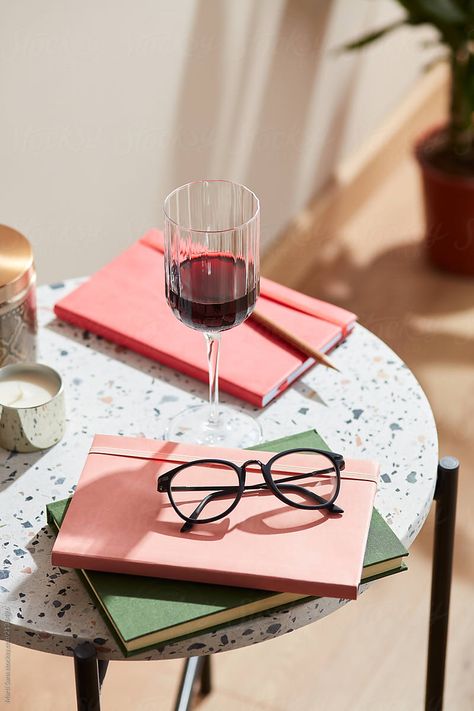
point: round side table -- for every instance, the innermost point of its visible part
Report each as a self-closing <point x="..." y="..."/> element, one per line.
<point x="374" y="408"/>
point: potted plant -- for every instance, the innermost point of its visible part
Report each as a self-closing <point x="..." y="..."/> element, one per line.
<point x="446" y="153"/>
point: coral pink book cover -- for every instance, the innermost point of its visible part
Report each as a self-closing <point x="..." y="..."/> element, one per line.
<point x="118" y="522"/>
<point x="125" y="303"/>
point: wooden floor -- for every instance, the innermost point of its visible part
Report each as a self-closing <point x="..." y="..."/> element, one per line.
<point x="371" y="654"/>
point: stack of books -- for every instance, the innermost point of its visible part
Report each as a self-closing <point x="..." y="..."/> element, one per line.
<point x="154" y="585"/>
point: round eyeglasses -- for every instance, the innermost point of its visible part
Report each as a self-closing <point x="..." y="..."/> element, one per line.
<point x="206" y="490"/>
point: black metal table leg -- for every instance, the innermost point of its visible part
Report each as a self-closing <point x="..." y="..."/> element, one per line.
<point x="445" y="496"/>
<point x="195" y="667"/>
<point x="87" y="677"/>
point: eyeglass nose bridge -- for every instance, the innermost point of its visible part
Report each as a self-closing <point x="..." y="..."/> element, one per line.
<point x="252" y="461"/>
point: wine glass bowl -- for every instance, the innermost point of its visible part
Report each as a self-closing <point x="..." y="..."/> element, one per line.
<point x="211" y="292"/>
<point x="212" y="231"/>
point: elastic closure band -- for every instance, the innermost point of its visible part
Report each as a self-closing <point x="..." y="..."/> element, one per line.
<point x="181" y="458"/>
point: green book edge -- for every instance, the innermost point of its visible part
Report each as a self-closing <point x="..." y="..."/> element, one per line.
<point x="133" y="605"/>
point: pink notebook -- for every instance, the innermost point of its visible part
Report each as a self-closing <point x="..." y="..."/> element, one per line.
<point x="118" y="522"/>
<point x="125" y="303"/>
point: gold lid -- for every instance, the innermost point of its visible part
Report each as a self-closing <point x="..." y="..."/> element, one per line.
<point x="16" y="263"/>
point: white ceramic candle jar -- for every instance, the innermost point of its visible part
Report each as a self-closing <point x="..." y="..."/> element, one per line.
<point x="32" y="412"/>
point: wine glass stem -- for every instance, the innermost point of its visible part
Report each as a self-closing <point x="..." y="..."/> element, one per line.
<point x="213" y="342"/>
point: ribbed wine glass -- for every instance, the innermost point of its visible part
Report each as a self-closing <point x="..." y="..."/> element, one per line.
<point x="212" y="230"/>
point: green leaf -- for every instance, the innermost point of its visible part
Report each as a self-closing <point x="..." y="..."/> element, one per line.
<point x="371" y="37"/>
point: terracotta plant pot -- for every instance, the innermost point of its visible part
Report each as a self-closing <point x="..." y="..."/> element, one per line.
<point x="449" y="210"/>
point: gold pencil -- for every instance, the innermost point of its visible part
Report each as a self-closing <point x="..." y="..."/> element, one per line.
<point x="293" y="340"/>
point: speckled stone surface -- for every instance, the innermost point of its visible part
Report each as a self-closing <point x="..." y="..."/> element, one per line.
<point x="373" y="408"/>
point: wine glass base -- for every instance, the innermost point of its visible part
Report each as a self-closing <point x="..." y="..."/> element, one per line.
<point x="230" y="428"/>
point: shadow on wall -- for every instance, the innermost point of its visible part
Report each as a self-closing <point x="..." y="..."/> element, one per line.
<point x="285" y="124"/>
<point x="256" y="127"/>
<point x="199" y="99"/>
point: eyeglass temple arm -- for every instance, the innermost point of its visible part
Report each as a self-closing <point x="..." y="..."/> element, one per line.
<point x="303" y="476"/>
<point x="334" y="508"/>
<point x="215" y="494"/>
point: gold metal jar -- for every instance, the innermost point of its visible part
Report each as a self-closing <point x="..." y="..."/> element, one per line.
<point x="18" y="324"/>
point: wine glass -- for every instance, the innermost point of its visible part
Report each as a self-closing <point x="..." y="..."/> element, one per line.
<point x="212" y="230"/>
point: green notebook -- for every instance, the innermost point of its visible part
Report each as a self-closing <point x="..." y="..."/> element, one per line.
<point x="144" y="613"/>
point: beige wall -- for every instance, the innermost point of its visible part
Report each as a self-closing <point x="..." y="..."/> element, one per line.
<point x="106" y="106"/>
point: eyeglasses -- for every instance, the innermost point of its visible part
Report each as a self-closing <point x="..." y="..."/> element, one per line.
<point x="215" y="486"/>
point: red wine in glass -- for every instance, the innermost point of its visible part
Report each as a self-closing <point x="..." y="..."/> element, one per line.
<point x="212" y="292"/>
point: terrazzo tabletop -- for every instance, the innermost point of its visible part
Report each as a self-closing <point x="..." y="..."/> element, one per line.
<point x="373" y="408"/>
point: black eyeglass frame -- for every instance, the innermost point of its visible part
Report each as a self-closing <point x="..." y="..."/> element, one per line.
<point x="337" y="460"/>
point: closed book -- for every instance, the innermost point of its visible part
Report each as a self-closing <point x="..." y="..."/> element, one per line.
<point x="118" y="522"/>
<point x="125" y="302"/>
<point x="144" y="612"/>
